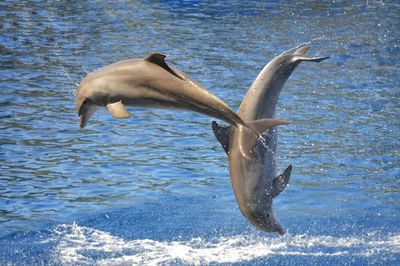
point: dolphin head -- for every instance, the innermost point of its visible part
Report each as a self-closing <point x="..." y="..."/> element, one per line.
<point x="256" y="197"/>
<point x="253" y="180"/>
<point x="265" y="220"/>
<point x="87" y="103"/>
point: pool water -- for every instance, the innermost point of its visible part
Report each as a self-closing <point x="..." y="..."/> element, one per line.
<point x="155" y="189"/>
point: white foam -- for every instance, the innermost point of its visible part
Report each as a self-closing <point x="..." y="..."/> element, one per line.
<point x="87" y="246"/>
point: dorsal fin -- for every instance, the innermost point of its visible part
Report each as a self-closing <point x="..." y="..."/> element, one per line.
<point x="222" y="134"/>
<point x="280" y="182"/>
<point x="159" y="59"/>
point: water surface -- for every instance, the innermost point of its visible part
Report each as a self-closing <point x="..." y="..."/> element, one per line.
<point x="155" y="188"/>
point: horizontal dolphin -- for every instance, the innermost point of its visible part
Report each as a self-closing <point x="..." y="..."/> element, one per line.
<point x="254" y="181"/>
<point x="150" y="82"/>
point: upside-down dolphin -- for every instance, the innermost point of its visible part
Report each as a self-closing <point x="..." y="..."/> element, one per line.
<point x="254" y="181"/>
<point x="150" y="82"/>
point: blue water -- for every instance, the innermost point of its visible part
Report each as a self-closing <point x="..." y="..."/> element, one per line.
<point x="155" y="189"/>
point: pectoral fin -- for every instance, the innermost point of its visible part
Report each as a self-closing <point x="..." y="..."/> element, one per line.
<point x="222" y="134"/>
<point x="280" y="182"/>
<point x="247" y="138"/>
<point x="118" y="110"/>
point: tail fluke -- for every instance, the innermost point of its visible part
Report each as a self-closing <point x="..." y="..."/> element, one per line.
<point x="247" y="138"/>
<point x="300" y="54"/>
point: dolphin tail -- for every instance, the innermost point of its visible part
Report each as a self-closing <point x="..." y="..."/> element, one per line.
<point x="247" y="138"/>
<point x="238" y="122"/>
<point x="300" y="54"/>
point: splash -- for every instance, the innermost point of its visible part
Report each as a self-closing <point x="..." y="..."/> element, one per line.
<point x="54" y="49"/>
<point x="87" y="246"/>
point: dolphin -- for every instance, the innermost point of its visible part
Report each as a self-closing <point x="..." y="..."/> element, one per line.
<point x="254" y="181"/>
<point x="150" y="82"/>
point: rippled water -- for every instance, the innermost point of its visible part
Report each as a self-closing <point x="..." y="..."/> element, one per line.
<point x="155" y="188"/>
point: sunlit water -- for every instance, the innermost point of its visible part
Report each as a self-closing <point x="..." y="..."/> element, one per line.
<point x="155" y="189"/>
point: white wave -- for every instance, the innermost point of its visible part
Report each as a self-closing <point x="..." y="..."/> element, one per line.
<point x="87" y="246"/>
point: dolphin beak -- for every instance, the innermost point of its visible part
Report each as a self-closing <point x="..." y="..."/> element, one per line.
<point x="279" y="229"/>
<point x="87" y="110"/>
<point x="82" y="121"/>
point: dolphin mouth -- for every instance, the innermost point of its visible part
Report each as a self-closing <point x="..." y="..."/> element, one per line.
<point x="268" y="223"/>
<point x="274" y="227"/>
<point x="80" y="107"/>
<point x="82" y="121"/>
<point x="86" y="111"/>
<point x="279" y="229"/>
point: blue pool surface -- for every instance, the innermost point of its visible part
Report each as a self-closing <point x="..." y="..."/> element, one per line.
<point x="155" y="189"/>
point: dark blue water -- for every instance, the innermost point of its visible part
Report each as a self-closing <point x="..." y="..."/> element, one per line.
<point x="155" y="189"/>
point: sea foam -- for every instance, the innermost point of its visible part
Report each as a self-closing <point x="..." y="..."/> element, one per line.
<point x="81" y="245"/>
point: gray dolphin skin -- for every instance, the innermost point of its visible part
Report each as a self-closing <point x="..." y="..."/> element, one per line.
<point x="254" y="181"/>
<point x="150" y="82"/>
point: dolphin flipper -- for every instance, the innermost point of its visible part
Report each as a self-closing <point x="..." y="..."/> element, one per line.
<point x="118" y="110"/>
<point x="222" y="134"/>
<point x="280" y="182"/>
